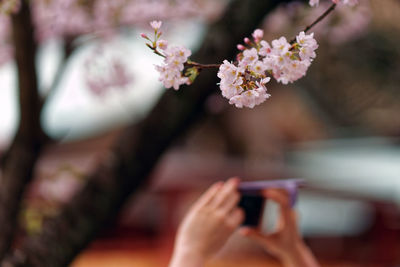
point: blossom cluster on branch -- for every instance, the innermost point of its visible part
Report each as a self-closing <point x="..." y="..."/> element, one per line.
<point x="244" y="84"/>
<point x="174" y="59"/>
<point x="244" y="81"/>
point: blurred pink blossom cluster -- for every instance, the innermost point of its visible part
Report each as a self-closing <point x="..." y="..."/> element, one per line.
<point x="64" y="18"/>
<point x="6" y="48"/>
<point x="60" y="19"/>
<point x="9" y="6"/>
<point x="60" y="189"/>
<point x="244" y="84"/>
<point x="348" y="24"/>
<point x="346" y="2"/>
<point x="104" y="72"/>
<point x="343" y="25"/>
<point x="103" y="19"/>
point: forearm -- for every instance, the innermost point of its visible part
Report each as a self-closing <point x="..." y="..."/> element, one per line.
<point x="301" y="255"/>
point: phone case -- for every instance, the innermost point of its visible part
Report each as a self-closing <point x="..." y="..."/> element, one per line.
<point x="255" y="188"/>
<point x="252" y="202"/>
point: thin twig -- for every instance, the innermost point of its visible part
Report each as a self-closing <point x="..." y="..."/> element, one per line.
<point x="326" y="13"/>
<point x="158" y="52"/>
<point x="203" y="66"/>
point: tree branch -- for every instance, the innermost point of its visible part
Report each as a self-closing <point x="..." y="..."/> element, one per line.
<point x="138" y="150"/>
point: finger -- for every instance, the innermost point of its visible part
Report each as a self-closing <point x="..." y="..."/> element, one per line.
<point x="209" y="195"/>
<point x="235" y="218"/>
<point x="287" y="216"/>
<point x="230" y="203"/>
<point x="226" y="193"/>
<point x="281" y="197"/>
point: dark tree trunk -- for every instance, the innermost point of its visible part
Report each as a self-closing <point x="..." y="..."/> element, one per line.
<point x="19" y="161"/>
<point x="138" y="150"/>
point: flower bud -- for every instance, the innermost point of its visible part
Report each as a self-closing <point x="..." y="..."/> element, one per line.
<point x="241" y="47"/>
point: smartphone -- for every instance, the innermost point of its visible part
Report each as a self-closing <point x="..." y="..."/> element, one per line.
<point x="253" y="205"/>
<point x="252" y="201"/>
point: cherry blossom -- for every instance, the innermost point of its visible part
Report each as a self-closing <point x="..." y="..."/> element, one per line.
<point x="162" y="44"/>
<point x="156" y="25"/>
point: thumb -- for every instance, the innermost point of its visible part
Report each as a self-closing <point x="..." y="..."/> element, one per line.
<point x="255" y="235"/>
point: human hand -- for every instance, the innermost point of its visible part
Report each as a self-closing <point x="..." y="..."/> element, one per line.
<point x="286" y="242"/>
<point x="208" y="225"/>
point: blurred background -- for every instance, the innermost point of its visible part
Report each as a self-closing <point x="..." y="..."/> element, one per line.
<point x="338" y="128"/>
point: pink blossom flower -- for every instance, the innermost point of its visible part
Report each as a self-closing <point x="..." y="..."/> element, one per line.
<point x="250" y="98"/>
<point x="306" y="40"/>
<point x="291" y="72"/>
<point x="162" y="44"/>
<point x="258" y="34"/>
<point x="171" y="76"/>
<point x="179" y="53"/>
<point x="265" y="48"/>
<point x="350" y="2"/>
<point x="250" y="56"/>
<point x="280" y="46"/>
<point x="259" y="67"/>
<point x="314" y="2"/>
<point x="308" y="45"/>
<point x="228" y="72"/>
<point x="156" y="25"/>
<point x="176" y="56"/>
<point x="229" y="90"/>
